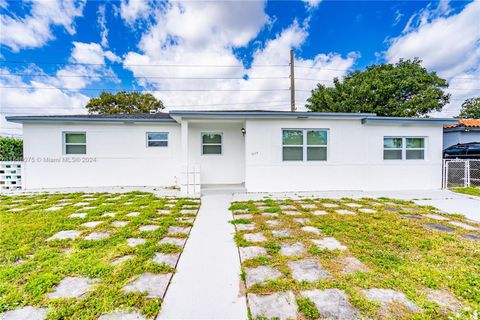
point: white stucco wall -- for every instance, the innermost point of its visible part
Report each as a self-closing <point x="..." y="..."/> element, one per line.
<point x="227" y="168"/>
<point x="451" y="138"/>
<point x="117" y="155"/>
<point x="355" y="158"/>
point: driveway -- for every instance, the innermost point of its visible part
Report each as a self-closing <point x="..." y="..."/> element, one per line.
<point x="444" y="200"/>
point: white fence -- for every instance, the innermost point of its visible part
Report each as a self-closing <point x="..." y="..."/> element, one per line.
<point x="190" y="183"/>
<point x="459" y="173"/>
<point x="11" y="175"/>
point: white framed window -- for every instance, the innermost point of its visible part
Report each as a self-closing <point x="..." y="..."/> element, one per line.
<point x="74" y="143"/>
<point x="157" y="139"/>
<point x="212" y="143"/>
<point x="403" y="148"/>
<point x="304" y="144"/>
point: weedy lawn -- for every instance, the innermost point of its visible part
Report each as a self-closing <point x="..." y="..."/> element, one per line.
<point x="295" y="252"/>
<point x="124" y="231"/>
<point x="473" y="191"/>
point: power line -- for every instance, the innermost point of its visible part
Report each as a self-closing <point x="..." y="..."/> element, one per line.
<point x="141" y="77"/>
<point x="146" y="65"/>
<point x="156" y="90"/>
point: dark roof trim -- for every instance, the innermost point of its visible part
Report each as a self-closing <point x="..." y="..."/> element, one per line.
<point x="22" y="119"/>
<point x="407" y="121"/>
<point x="462" y="129"/>
<point x="266" y="114"/>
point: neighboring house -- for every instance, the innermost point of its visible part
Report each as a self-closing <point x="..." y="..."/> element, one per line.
<point x="465" y="131"/>
<point x="264" y="150"/>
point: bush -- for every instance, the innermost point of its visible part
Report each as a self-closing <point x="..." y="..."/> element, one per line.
<point x="11" y="149"/>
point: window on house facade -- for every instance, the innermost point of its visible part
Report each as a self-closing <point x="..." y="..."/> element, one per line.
<point x="211" y="143"/>
<point x="403" y="148"/>
<point x="75" y="143"/>
<point x="157" y="139"/>
<point x="304" y="144"/>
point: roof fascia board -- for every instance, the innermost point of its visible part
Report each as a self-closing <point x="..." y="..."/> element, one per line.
<point x="408" y="121"/>
<point x="30" y="119"/>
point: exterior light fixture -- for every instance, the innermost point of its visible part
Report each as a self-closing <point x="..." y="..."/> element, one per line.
<point x="243" y="131"/>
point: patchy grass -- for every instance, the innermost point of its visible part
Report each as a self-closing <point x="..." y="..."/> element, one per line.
<point x="399" y="253"/>
<point x="31" y="267"/>
<point x="472" y="191"/>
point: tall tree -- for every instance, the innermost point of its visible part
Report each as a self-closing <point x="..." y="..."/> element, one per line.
<point x="404" y="89"/>
<point x="123" y="102"/>
<point x="470" y="109"/>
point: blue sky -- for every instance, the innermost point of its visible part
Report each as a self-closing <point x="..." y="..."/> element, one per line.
<point x="76" y="48"/>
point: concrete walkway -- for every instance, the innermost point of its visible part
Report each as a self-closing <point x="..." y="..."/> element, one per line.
<point x="207" y="283"/>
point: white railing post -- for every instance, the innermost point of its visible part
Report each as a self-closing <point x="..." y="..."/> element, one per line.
<point x="467" y="173"/>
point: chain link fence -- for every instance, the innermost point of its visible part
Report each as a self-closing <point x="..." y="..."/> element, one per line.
<point x="458" y="173"/>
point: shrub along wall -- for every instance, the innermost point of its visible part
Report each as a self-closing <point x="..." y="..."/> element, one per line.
<point x="11" y="149"/>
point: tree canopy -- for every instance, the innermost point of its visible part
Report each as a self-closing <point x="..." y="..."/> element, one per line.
<point x="124" y="102"/>
<point x="470" y="109"/>
<point x="404" y="89"/>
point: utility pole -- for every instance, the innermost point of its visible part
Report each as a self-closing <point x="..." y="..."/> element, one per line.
<point x="292" y="81"/>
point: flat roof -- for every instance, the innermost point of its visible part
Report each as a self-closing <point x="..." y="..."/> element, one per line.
<point x="177" y="115"/>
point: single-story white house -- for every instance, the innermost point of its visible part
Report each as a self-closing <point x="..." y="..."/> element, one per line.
<point x="265" y="151"/>
<point x="464" y="131"/>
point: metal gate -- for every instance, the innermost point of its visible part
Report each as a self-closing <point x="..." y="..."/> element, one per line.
<point x="459" y="173"/>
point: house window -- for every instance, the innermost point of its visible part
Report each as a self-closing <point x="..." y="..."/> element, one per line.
<point x="157" y="139"/>
<point x="75" y="143"/>
<point x="211" y="143"/>
<point x="401" y="148"/>
<point x="304" y="144"/>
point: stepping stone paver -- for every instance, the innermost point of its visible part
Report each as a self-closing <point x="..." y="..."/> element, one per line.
<point x="65" y="234"/>
<point x="270" y="214"/>
<point x="122" y="316"/>
<point x="175" y="241"/>
<point x="464" y="225"/>
<point x="311" y="229"/>
<point x="440" y="227"/>
<point x="251" y="252"/>
<point x="351" y="265"/>
<point x="436" y="217"/>
<point x="91" y="224"/>
<point x="188" y="211"/>
<point x="133" y="214"/>
<point x="254" y="237"/>
<point x="353" y="205"/>
<point x="81" y="204"/>
<point x="309" y="206"/>
<point x="367" y="210"/>
<point x="287" y="207"/>
<point x="154" y="284"/>
<point x="281" y="306"/>
<point x="329" y="205"/>
<point x="332" y="304"/>
<point x="392" y="209"/>
<point x="243" y="216"/>
<point x="109" y="214"/>
<point x="245" y="226"/>
<point x="388" y="296"/>
<point x="168" y="259"/>
<point x="319" y="212"/>
<point x="292" y="249"/>
<point x="411" y="216"/>
<point x="178" y="230"/>
<point x="260" y="274"/>
<point x="281" y="233"/>
<point x="48" y="209"/>
<point x="307" y="270"/>
<point x="301" y="220"/>
<point x="292" y="213"/>
<point x="272" y="223"/>
<point x="343" y="211"/>
<point x="78" y="215"/>
<point x="119" y="224"/>
<point x="149" y="227"/>
<point x="97" y="236"/>
<point x="72" y="287"/>
<point x="162" y="211"/>
<point x="445" y="300"/>
<point x="133" y="242"/>
<point x="473" y="237"/>
<point x="329" y="244"/>
<point x="25" y="313"/>
<point x="121" y="259"/>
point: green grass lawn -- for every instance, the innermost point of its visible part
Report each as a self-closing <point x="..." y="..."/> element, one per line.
<point x="399" y="253"/>
<point x="31" y="267"/>
<point x="473" y="191"/>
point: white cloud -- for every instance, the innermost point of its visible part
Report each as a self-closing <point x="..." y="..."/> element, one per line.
<point x="192" y="33"/>
<point x="133" y="10"/>
<point x="102" y="22"/>
<point x="35" y="29"/>
<point x="448" y="44"/>
<point x="312" y="3"/>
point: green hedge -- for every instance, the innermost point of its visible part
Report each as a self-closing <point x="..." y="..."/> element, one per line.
<point x="11" y="149"/>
